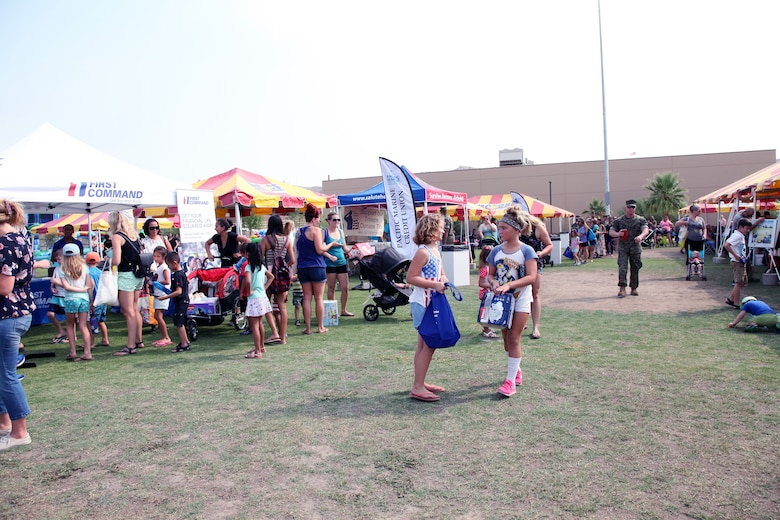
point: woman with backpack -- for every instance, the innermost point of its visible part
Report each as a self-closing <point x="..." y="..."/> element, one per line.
<point x="277" y="252"/>
<point x="126" y="258"/>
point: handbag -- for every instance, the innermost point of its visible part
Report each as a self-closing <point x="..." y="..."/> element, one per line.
<point x="438" y="328"/>
<point x="143" y="267"/>
<point x="497" y="310"/>
<point x="108" y="290"/>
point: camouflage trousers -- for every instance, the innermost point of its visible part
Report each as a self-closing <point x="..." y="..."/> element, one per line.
<point x="626" y="257"/>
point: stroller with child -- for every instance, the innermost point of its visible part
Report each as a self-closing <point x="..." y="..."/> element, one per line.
<point x="386" y="270"/>
<point x="214" y="295"/>
<point x="695" y="264"/>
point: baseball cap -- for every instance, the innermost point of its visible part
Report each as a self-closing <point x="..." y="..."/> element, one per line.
<point x="631" y="203"/>
<point x="71" y="250"/>
<point x="93" y="257"/>
<point x="747" y="299"/>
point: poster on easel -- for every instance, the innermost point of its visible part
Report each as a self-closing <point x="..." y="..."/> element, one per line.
<point x="764" y="235"/>
<point x="196" y="217"/>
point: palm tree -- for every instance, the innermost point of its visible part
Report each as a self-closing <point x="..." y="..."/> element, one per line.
<point x="597" y="208"/>
<point x="667" y="196"/>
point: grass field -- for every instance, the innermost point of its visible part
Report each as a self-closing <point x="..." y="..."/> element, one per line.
<point x="673" y="417"/>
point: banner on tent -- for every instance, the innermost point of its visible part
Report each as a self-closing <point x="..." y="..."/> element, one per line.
<point x="362" y="221"/>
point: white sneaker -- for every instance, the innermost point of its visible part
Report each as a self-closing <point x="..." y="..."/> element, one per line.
<point x="9" y="442"/>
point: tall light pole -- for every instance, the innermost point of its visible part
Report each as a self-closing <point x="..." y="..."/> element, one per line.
<point x="604" y="113"/>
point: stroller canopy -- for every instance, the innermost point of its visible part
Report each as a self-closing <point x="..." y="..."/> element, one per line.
<point x="387" y="261"/>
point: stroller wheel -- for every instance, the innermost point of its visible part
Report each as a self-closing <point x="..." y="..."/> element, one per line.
<point x="371" y="312"/>
<point x="388" y="310"/>
<point x="192" y="329"/>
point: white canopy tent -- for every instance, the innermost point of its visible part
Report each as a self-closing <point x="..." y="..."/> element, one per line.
<point x="52" y="172"/>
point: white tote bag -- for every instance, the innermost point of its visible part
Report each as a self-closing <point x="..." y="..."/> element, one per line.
<point x="107" y="291"/>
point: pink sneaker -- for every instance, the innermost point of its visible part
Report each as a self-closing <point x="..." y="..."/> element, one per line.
<point x="507" y="389"/>
<point x="519" y="377"/>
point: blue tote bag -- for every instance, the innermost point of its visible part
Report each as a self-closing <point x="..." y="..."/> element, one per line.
<point x="438" y="328"/>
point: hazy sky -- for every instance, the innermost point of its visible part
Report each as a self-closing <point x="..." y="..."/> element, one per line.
<point x="306" y="90"/>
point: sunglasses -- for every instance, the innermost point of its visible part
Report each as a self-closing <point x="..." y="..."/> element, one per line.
<point x="335" y="220"/>
<point x="153" y="228"/>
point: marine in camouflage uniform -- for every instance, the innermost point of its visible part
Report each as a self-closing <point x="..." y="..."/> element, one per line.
<point x="630" y="249"/>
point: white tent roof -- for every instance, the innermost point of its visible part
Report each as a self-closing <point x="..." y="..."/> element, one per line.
<point x="52" y="172"/>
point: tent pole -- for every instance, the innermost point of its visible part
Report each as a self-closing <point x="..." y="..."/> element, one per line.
<point x="237" y="208"/>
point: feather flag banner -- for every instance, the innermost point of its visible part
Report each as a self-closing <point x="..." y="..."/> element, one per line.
<point x="519" y="200"/>
<point x="400" y="207"/>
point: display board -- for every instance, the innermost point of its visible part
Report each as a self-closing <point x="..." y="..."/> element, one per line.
<point x="764" y="235"/>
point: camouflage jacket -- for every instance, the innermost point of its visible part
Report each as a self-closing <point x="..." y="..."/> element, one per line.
<point x="635" y="226"/>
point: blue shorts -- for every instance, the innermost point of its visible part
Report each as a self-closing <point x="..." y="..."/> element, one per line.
<point x="100" y="313"/>
<point x="312" y="275"/>
<point x="418" y="311"/>
<point x="76" y="305"/>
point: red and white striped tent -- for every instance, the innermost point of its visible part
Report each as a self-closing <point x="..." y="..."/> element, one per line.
<point x="495" y="205"/>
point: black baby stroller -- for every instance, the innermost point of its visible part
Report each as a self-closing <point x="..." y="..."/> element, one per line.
<point x="695" y="264"/>
<point x="386" y="270"/>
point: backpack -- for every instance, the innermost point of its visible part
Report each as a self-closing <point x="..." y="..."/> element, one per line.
<point x="281" y="281"/>
<point x="142" y="264"/>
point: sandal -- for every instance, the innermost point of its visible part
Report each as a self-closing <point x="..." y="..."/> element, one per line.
<point x="253" y="355"/>
<point x="59" y="339"/>
<point x="489" y="334"/>
<point x="140" y="344"/>
<point x="180" y="348"/>
<point x="729" y="302"/>
<point x="125" y="351"/>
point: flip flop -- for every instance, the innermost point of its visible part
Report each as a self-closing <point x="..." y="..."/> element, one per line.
<point x="536" y="336"/>
<point x="82" y="358"/>
<point x="272" y="341"/>
<point x="253" y="355"/>
<point x="71" y="358"/>
<point x="434" y="388"/>
<point x="59" y="339"/>
<point x="307" y="333"/>
<point x="428" y="398"/>
<point x="348" y="314"/>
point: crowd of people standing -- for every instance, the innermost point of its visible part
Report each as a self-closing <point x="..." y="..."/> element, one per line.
<point x="314" y="258"/>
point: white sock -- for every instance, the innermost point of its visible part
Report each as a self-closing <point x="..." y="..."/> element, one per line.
<point x="513" y="364"/>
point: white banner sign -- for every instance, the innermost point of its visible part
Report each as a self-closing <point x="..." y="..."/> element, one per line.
<point x="196" y="215"/>
<point x="400" y="207"/>
<point x="365" y="221"/>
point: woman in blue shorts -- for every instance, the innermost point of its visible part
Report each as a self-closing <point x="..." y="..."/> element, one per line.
<point x="312" y="252"/>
